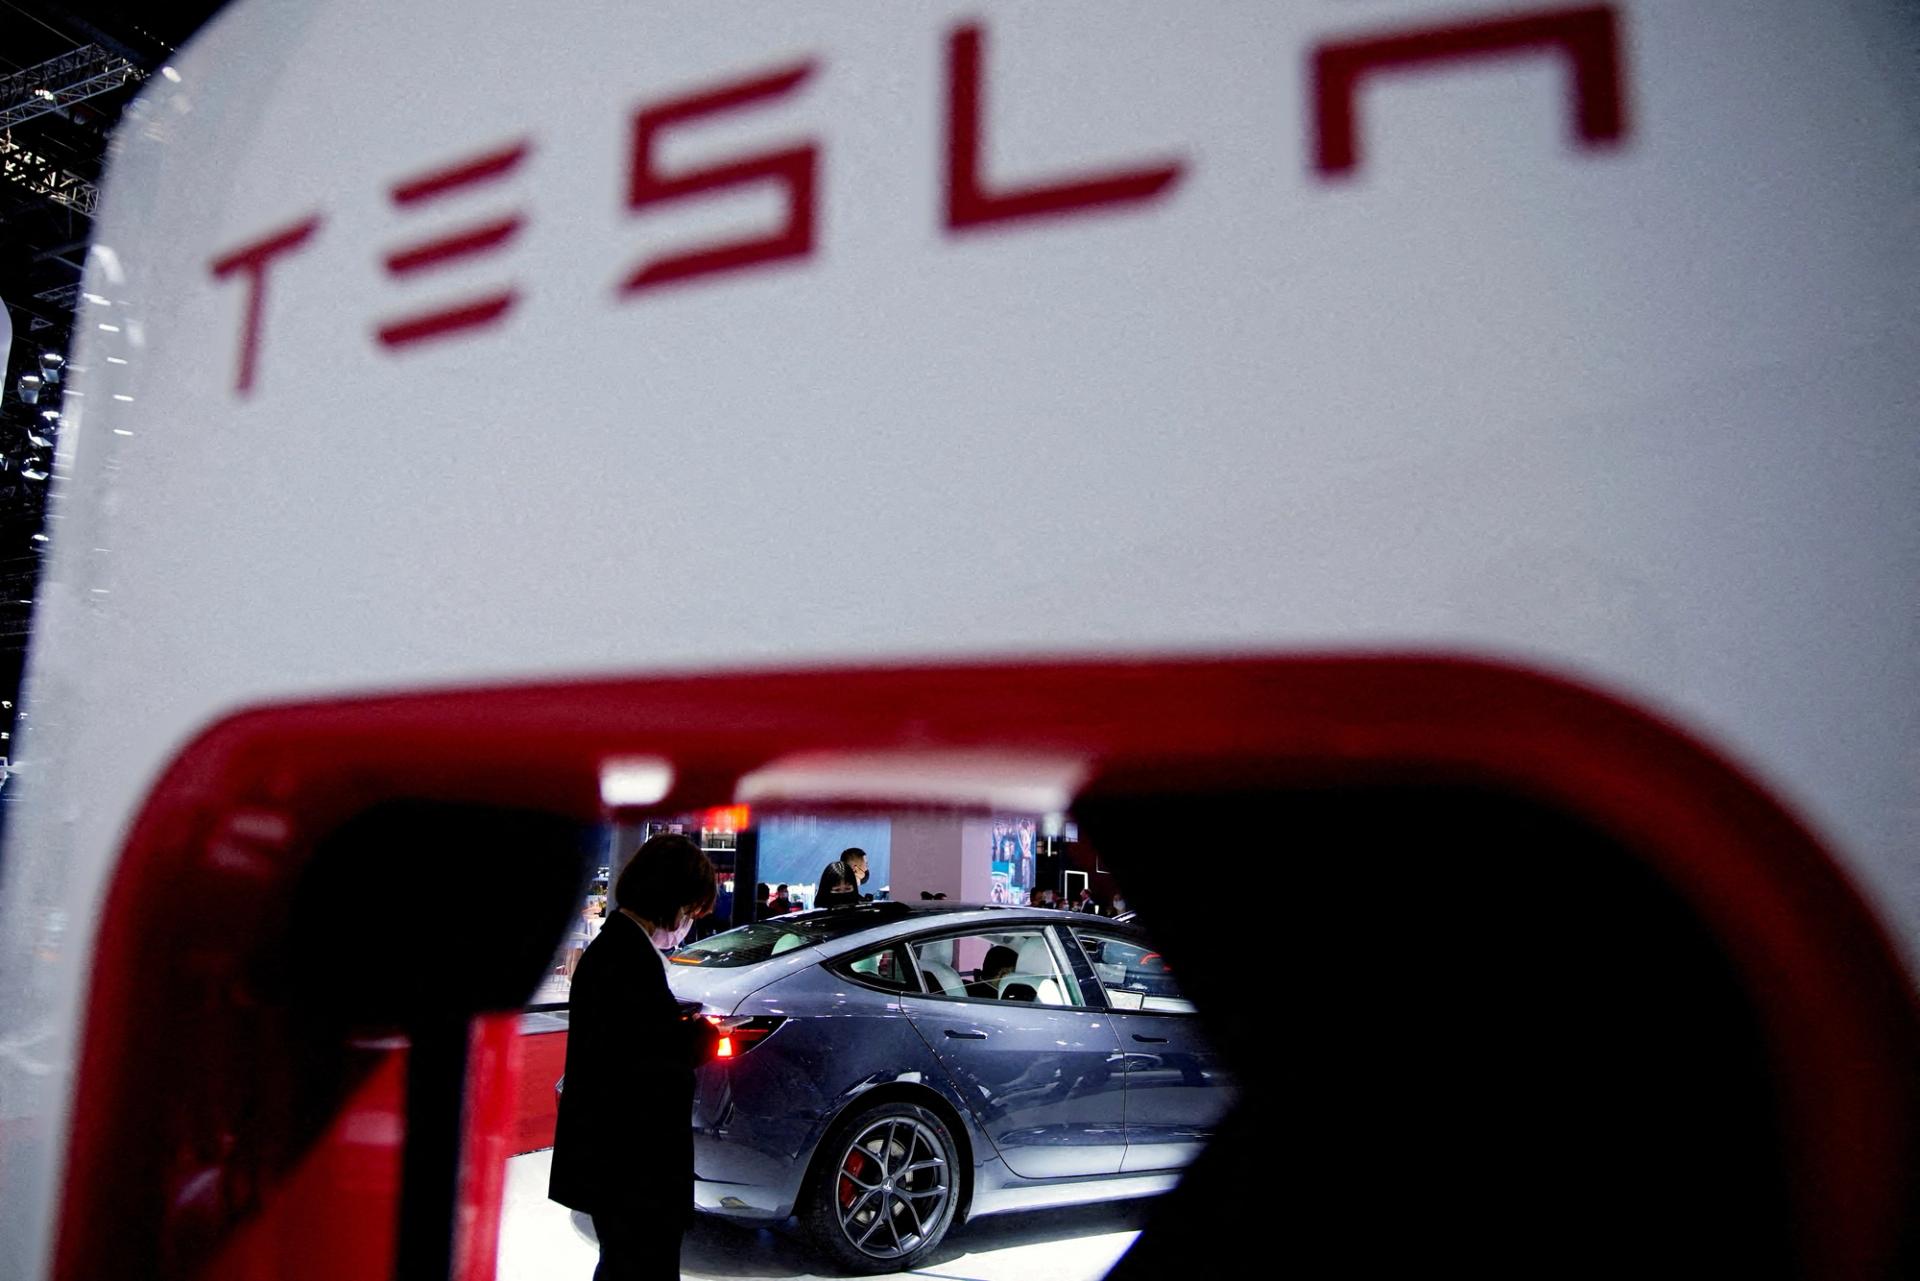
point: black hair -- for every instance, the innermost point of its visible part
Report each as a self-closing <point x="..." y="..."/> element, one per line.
<point x="999" y="957"/>
<point x="853" y="851"/>
<point x="666" y="874"/>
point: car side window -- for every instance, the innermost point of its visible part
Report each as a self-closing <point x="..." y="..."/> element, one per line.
<point x="996" y="965"/>
<point x="1134" y="975"/>
<point x="885" y="968"/>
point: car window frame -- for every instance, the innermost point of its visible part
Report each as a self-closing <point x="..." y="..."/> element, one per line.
<point x="1043" y="928"/>
<point x="1092" y="975"/>
<point x="842" y="967"/>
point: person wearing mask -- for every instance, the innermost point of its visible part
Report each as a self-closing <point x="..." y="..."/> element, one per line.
<point x="623" y="1145"/>
<point x="841" y="879"/>
<point x="781" y="904"/>
<point x="1044" y="897"/>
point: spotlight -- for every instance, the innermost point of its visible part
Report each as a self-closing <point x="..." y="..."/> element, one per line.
<point x="29" y="387"/>
<point x="51" y="363"/>
<point x="38" y="441"/>
<point x="33" y="473"/>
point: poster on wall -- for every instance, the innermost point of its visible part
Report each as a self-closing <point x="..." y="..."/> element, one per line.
<point x="1002" y="887"/>
<point x="1013" y="845"/>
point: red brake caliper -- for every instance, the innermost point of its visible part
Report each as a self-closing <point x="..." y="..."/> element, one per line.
<point x="856" y="1166"/>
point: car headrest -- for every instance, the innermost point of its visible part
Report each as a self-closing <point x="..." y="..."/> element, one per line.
<point x="943" y="980"/>
<point x="1036" y="957"/>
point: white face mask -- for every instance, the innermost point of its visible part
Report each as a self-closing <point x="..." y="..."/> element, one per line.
<point x="667" y="940"/>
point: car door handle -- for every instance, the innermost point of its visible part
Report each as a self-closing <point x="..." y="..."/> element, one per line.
<point x="1150" y="1040"/>
<point x="958" y="1035"/>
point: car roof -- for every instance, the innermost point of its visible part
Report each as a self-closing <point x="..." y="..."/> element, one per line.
<point x="891" y="920"/>
<point x="859" y="927"/>
<point x="889" y="913"/>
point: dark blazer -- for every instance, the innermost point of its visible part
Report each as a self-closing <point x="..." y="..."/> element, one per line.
<point x="624" y="1140"/>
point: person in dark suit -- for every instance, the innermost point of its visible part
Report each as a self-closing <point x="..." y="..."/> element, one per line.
<point x="623" y="1145"/>
<point x="841" y="879"/>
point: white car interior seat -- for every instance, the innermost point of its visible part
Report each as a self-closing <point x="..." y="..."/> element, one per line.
<point x="944" y="980"/>
<point x="1035" y="969"/>
<point x="936" y="964"/>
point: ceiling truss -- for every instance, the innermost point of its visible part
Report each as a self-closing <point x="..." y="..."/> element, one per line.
<point x="41" y="176"/>
<point x="60" y="82"/>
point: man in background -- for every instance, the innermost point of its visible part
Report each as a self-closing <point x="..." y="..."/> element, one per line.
<point x="841" y="879"/>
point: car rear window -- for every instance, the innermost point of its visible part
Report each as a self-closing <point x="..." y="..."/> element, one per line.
<point x="764" y="940"/>
<point x="886" y="969"/>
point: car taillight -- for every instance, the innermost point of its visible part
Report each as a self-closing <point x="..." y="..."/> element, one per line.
<point x="738" y="1035"/>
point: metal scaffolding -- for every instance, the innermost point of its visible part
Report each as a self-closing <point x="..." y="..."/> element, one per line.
<point x="41" y="176"/>
<point x="59" y="82"/>
<point x="60" y="295"/>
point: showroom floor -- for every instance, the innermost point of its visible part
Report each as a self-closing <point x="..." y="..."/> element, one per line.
<point x="543" y="1241"/>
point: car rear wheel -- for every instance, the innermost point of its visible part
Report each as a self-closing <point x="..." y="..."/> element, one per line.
<point x="884" y="1194"/>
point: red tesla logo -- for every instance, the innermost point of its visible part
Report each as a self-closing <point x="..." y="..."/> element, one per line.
<point x="1586" y="38"/>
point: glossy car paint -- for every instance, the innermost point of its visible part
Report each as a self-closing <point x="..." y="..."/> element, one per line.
<point x="1044" y="1096"/>
<point x="1046" y="1083"/>
<point x="758" y="1119"/>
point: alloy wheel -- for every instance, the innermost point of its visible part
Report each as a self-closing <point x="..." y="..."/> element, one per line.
<point x="891" y="1187"/>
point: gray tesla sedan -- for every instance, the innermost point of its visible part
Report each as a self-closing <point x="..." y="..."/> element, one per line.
<point x="889" y="1070"/>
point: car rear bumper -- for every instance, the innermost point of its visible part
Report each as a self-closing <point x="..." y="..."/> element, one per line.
<point x="741" y="1181"/>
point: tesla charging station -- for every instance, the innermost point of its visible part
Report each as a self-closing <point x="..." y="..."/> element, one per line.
<point x="1505" y="398"/>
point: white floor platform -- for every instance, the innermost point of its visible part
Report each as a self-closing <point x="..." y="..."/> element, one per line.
<point x="542" y="1241"/>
